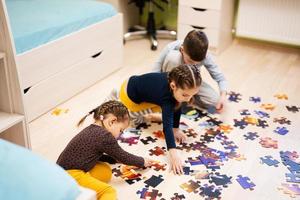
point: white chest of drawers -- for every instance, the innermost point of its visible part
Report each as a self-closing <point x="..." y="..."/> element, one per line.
<point x="214" y="17"/>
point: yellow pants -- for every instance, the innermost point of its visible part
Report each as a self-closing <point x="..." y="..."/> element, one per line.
<point x="96" y="179"/>
<point x="134" y="107"/>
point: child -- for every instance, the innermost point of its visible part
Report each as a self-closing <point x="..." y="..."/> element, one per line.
<point x="193" y="50"/>
<point x="155" y="92"/>
<point x="84" y="156"/>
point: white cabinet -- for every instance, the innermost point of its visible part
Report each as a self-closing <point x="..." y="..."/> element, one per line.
<point x="13" y="125"/>
<point x="213" y="17"/>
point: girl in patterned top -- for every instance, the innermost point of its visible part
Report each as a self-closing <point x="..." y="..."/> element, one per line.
<point x="84" y="156"/>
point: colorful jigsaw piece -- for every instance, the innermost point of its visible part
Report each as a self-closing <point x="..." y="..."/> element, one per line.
<point x="281" y="130"/>
<point x="281" y="96"/>
<point x="268" y="142"/>
<point x="282" y="120"/>
<point x="269" y="160"/>
<point x="255" y="99"/>
<point x="245" y="182"/>
<point x="293" y="109"/>
<point x="291" y="190"/>
<point x="191" y="186"/>
<point x="251" y="136"/>
<point x="157" y="151"/>
<point x="268" y="106"/>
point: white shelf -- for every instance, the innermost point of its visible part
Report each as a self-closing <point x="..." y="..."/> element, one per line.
<point x="7" y="120"/>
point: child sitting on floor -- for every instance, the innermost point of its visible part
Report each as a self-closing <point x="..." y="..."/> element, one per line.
<point x="85" y="155"/>
<point x="152" y="93"/>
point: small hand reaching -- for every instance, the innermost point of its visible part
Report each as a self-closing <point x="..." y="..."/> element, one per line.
<point x="149" y="162"/>
<point x="176" y="162"/>
<point x="179" y="135"/>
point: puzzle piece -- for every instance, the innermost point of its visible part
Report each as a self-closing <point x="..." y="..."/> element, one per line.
<point x="255" y="99"/>
<point x="282" y="120"/>
<point x="293" y="177"/>
<point x="289" y="159"/>
<point x="194" y="161"/>
<point x="293" y="109"/>
<point x="225" y="128"/>
<point x="201" y="174"/>
<point x="240" y="123"/>
<point x="262" y="123"/>
<point x="145" y="193"/>
<point x="244" y="112"/>
<point x="281" y="96"/>
<point x="210" y="192"/>
<point x="191" y="186"/>
<point x="154" y="181"/>
<point x="262" y="114"/>
<point x="269" y="160"/>
<point x="290" y="189"/>
<point x="184" y="146"/>
<point x="58" y="111"/>
<point x="143" y="126"/>
<point x="157" y="166"/>
<point x="268" y="106"/>
<point x="148" y="140"/>
<point x="220" y="179"/>
<point x="191" y="133"/>
<point x="251" y="120"/>
<point x="281" y="130"/>
<point x="268" y="142"/>
<point x="159" y="134"/>
<point x="127" y="173"/>
<point x="157" y="151"/>
<point x="177" y="197"/>
<point x="251" y="136"/>
<point x="245" y="182"/>
<point x="234" y="97"/>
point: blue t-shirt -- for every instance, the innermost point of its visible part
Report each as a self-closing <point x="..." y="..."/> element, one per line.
<point x="154" y="88"/>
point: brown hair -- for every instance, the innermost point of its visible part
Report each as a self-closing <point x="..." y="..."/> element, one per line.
<point x="185" y="76"/>
<point x="110" y="107"/>
<point x="195" y="44"/>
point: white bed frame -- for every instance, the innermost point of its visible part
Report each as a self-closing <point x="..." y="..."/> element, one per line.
<point x="54" y="72"/>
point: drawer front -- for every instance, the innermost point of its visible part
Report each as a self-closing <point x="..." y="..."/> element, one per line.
<point x="58" y="88"/>
<point x="207" y="4"/>
<point x="212" y="34"/>
<point x="203" y="18"/>
<point x="44" y="61"/>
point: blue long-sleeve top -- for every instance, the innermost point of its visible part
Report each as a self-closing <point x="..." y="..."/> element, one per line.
<point x="154" y="88"/>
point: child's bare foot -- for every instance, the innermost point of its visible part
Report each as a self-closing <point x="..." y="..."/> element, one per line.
<point x="179" y="135"/>
<point x="153" y="117"/>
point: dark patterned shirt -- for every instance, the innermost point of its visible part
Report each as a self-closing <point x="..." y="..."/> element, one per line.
<point x="87" y="147"/>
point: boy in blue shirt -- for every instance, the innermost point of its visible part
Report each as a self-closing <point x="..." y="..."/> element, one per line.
<point x="193" y="50"/>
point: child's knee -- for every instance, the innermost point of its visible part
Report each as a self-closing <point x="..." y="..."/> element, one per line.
<point x="102" y="171"/>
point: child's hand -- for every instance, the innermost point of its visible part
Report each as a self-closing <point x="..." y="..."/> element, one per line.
<point x="220" y="104"/>
<point x="176" y="162"/>
<point x="179" y="135"/>
<point x="149" y="162"/>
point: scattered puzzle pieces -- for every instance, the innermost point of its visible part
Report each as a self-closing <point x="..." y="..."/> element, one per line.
<point x="291" y="190"/>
